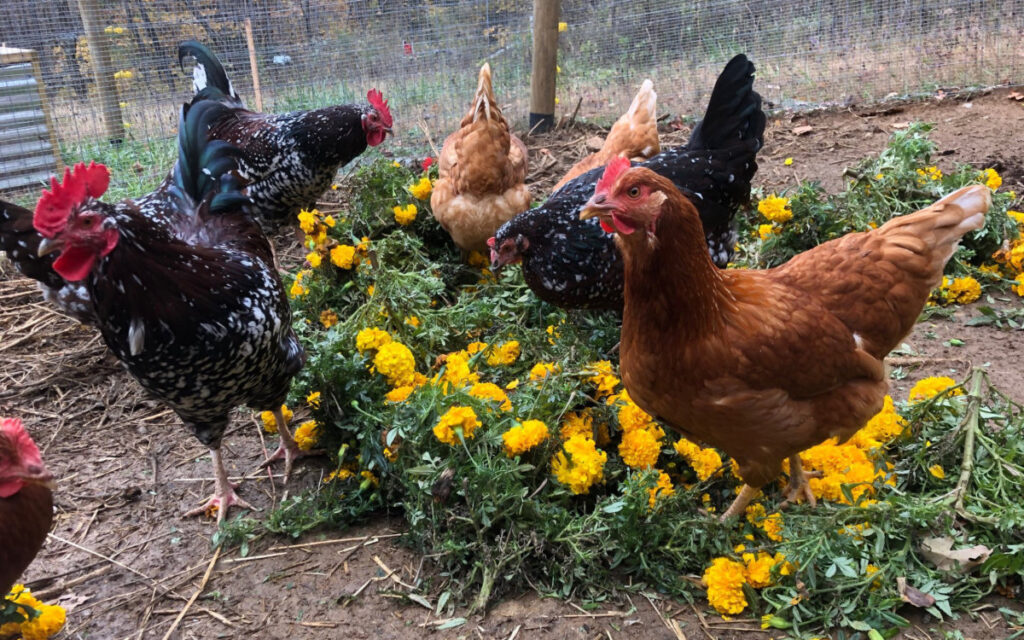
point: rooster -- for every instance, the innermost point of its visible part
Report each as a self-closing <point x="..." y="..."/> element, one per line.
<point x="481" y="173"/>
<point x="574" y="264"/>
<point x="26" y="502"/>
<point x="765" y="364"/>
<point x="288" y="159"/>
<point x="189" y="301"/>
<point x="634" y="135"/>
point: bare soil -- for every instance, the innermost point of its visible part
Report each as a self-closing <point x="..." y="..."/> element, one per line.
<point x="124" y="562"/>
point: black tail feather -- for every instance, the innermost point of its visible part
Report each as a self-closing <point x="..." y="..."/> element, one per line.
<point x="734" y="109"/>
<point x="206" y="168"/>
<point x="212" y="81"/>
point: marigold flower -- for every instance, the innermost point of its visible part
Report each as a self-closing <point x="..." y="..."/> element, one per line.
<point x="307" y="434"/>
<point x="759" y="568"/>
<point x="395" y="361"/>
<point x="577" y="423"/>
<point x="882" y="428"/>
<point x="270" y="422"/>
<point x="48" y="620"/>
<point x="371" y="338"/>
<point x="412" y="321"/>
<point x="474" y="348"/>
<point x="725" y="579"/>
<point x="840" y="465"/>
<point x="523" y="437"/>
<point x="400" y="394"/>
<point x="930" y="387"/>
<point x="788" y="161"/>
<point x="298" y="289"/>
<point x="313" y="399"/>
<point x="421" y="190"/>
<point x="662" y="489"/>
<point x="455" y="420"/>
<point x="929" y="173"/>
<point x="405" y="215"/>
<point x="1018" y="285"/>
<point x="579" y="465"/>
<point x="505" y="354"/>
<point x="602" y="377"/>
<point x="705" y="462"/>
<point x="491" y="391"/>
<point x="328" y="318"/>
<point x="991" y="179"/>
<point x="1017" y="216"/>
<point x="937" y="471"/>
<point x="343" y="256"/>
<point x="307" y="220"/>
<point x="314" y="258"/>
<point x="775" y="209"/>
<point x="542" y="370"/>
<point x="765" y="231"/>
<point x="640" y="448"/>
<point x="563" y="27"/>
<point x="959" y="290"/>
<point x="457" y="371"/>
<point x="339" y="474"/>
<point x="368" y="479"/>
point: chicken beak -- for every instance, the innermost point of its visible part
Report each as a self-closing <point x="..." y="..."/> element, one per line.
<point x="38" y="475"/>
<point x="597" y="203"/>
<point x="48" y="246"/>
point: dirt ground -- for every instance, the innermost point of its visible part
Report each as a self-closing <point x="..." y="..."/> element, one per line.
<point x="124" y="562"/>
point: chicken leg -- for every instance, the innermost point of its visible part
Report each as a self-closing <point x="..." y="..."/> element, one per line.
<point x="798" y="485"/>
<point x="287" y="449"/>
<point x="224" y="496"/>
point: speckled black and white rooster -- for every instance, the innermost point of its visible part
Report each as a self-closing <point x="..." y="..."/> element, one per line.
<point x="288" y="159"/>
<point x="188" y="300"/>
<point x="573" y="263"/>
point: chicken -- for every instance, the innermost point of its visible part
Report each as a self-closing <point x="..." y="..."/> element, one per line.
<point x="288" y="159"/>
<point x="574" y="264"/>
<point x="481" y="170"/>
<point x="194" y="308"/>
<point x="634" y="135"/>
<point x="765" y="364"/>
<point x="26" y="502"/>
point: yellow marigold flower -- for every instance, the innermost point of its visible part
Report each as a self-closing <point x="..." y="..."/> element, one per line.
<point x="640" y="448"/>
<point x="725" y="579"/>
<point x="788" y="161"/>
<point x="961" y="290"/>
<point x="369" y="291"/>
<point x="395" y="361"/>
<point x="775" y="209"/>
<point x="512" y="384"/>
<point x="992" y="179"/>
<point x="542" y="370"/>
<point x="339" y="474"/>
<point x="705" y="462"/>
<point x="48" y="620"/>
<point x="632" y="417"/>
<point x="457" y="371"/>
<point x="563" y="27"/>
<point x="474" y="348"/>
<point x="871" y="570"/>
<point x="662" y="489"/>
<point x="930" y="173"/>
<point x="343" y="256"/>
<point x="491" y="391"/>
<point x="523" y="437"/>
<point x="455" y="420"/>
<point x="756" y="513"/>
<point x="405" y="215"/>
<point x="400" y="394"/>
<point x="307" y="434"/>
<point x="297" y="288"/>
<point x="328" y="318"/>
<point x="391" y="453"/>
<point x="773" y="527"/>
<point x="270" y="422"/>
<point x="371" y="338"/>
<point x="1017" y="216"/>
<point x="937" y="471"/>
<point x="505" y="354"/>
<point x="765" y="231"/>
<point x="758" y="569"/>
<point x="577" y="423"/>
<point x="307" y="221"/>
<point x="412" y="321"/>
<point x="478" y="260"/>
<point x="313" y="399"/>
<point x="840" y="465"/>
<point x="368" y="479"/>
<point x="602" y="377"/>
<point x="579" y="465"/>
<point x="882" y="428"/>
<point x="329" y="221"/>
<point x="421" y="190"/>
<point x="930" y="387"/>
<point x="314" y="258"/>
<point x="1018" y="285"/>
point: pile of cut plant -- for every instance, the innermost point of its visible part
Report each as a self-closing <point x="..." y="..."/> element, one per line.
<point x="497" y="426"/>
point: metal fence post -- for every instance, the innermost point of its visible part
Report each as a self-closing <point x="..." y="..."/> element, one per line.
<point x="545" y="62"/>
<point x="102" y="70"/>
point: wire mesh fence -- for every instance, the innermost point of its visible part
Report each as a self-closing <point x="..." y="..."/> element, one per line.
<point x="424" y="56"/>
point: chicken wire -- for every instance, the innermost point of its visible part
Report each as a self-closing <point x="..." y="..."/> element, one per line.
<point x="424" y="56"/>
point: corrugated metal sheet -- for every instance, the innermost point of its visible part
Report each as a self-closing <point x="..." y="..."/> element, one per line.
<point x="27" y="156"/>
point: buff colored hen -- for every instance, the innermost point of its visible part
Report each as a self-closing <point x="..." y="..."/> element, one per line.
<point x="482" y="170"/>
<point x="634" y="135"/>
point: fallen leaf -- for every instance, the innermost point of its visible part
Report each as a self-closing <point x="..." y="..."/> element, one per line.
<point x="803" y="129"/>
<point x="939" y="551"/>
<point x="913" y="596"/>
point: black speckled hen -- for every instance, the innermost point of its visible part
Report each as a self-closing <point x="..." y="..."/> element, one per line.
<point x="574" y="263"/>
<point x="191" y="303"/>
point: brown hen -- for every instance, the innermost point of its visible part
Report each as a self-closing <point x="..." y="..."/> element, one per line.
<point x="765" y="364"/>
<point x="481" y="173"/>
<point x="26" y="502"/>
<point x="634" y="135"/>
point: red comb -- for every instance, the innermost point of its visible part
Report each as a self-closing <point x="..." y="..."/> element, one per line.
<point x="378" y="102"/>
<point x="491" y="242"/>
<point x="55" y="205"/>
<point x="615" y="168"/>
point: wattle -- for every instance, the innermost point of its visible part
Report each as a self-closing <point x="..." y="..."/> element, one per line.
<point x="375" y="137"/>
<point x="74" y="263"/>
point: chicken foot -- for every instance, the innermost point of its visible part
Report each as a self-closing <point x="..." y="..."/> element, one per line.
<point x="739" y="505"/>
<point x="798" y="486"/>
<point x="287" y="449"/>
<point x="224" y="496"/>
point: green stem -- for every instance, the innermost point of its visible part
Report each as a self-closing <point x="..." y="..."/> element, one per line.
<point x="970" y="422"/>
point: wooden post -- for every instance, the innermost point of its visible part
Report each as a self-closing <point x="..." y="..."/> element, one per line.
<point x="44" y="102"/>
<point x="102" y="69"/>
<point x="252" y="64"/>
<point x="545" y="62"/>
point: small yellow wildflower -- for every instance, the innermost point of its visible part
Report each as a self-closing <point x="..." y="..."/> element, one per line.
<point x="662" y="489"/>
<point x="405" y="215"/>
<point x="930" y="387"/>
<point x="929" y="173"/>
<point x="523" y="437"/>
<point x="725" y="579"/>
<point x="579" y="465"/>
<point x="788" y="161"/>
<point x="412" y="321"/>
<point x="421" y="190"/>
<point x="563" y="27"/>
<point x="937" y="471"/>
<point x="298" y="289"/>
<point x="542" y="370"/>
<point x="455" y="420"/>
<point x="328" y="318"/>
<point x="343" y="256"/>
<point x="395" y="361"/>
<point x="505" y="354"/>
<point x="270" y="422"/>
<point x="992" y="179"/>
<point x="371" y="338"/>
<point x="775" y="209"/>
<point x="306" y="435"/>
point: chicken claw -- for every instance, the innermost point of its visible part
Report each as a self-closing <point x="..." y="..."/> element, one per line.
<point x="224" y="496"/>
<point x="287" y="449"/>
<point x="798" y="486"/>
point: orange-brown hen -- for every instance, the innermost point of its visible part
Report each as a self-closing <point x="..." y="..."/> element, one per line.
<point x="481" y="173"/>
<point x="634" y="135"/>
<point x="765" y="364"/>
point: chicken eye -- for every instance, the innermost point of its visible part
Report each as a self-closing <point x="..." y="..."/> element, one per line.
<point x="87" y="221"/>
<point x="633" y="192"/>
